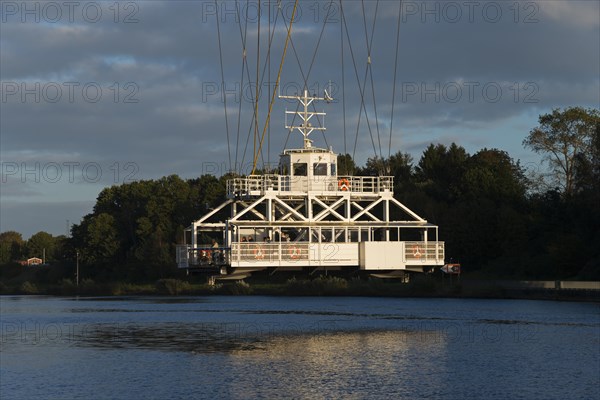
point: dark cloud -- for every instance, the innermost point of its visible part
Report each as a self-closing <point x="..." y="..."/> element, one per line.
<point x="157" y="68"/>
<point x="31" y="217"/>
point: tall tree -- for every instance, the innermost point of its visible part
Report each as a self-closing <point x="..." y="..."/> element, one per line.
<point x="11" y="246"/>
<point x="41" y="244"/>
<point x="561" y="137"/>
<point x="345" y="164"/>
<point x="441" y="169"/>
<point x="400" y="166"/>
<point x="375" y="166"/>
<point x="102" y="242"/>
<point x="492" y="173"/>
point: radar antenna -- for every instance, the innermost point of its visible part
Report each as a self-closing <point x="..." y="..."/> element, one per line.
<point x="306" y="128"/>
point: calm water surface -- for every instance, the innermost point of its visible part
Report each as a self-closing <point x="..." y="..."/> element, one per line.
<point x="299" y="348"/>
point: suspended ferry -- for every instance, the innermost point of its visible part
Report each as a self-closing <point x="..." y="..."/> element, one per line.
<point x="307" y="216"/>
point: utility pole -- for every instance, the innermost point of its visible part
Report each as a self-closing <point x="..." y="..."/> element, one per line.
<point x="77" y="268"/>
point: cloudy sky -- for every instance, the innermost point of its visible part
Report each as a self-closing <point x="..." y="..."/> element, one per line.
<point x="100" y="93"/>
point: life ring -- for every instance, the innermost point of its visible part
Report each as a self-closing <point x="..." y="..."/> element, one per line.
<point x="259" y="254"/>
<point x="294" y="252"/>
<point x="343" y="184"/>
<point x="417" y="251"/>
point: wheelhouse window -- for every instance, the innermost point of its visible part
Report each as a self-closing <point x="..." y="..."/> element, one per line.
<point x="283" y="169"/>
<point x="320" y="169"/>
<point x="300" y="169"/>
<point x="333" y="170"/>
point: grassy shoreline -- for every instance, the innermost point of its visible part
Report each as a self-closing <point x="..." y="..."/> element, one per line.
<point x="322" y="286"/>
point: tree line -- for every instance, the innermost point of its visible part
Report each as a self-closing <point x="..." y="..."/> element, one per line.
<point x="41" y="245"/>
<point x="497" y="218"/>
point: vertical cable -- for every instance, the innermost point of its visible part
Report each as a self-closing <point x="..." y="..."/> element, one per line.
<point x="223" y="83"/>
<point x="395" y="72"/>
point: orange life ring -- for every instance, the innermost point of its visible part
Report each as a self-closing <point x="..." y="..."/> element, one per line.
<point x="417" y="251"/>
<point x="343" y="184"/>
<point x="294" y="252"/>
<point x="259" y="254"/>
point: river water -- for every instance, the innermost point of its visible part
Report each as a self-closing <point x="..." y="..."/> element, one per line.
<point x="297" y="348"/>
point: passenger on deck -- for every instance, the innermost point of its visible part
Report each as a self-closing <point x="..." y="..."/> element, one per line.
<point x="216" y="253"/>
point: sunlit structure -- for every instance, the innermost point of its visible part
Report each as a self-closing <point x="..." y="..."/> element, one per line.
<point x="308" y="216"/>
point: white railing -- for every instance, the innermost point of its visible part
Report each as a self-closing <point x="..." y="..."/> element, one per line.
<point x="304" y="253"/>
<point x="205" y="256"/>
<point x="258" y="184"/>
<point x="269" y="252"/>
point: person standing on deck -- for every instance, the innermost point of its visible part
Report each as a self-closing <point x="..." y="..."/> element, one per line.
<point x="215" y="251"/>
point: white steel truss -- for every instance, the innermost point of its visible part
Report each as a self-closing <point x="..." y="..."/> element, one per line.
<point x="308" y="216"/>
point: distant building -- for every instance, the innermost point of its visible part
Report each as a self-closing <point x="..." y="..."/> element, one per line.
<point x="32" y="261"/>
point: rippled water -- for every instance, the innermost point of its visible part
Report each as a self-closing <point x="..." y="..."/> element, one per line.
<point x="291" y="347"/>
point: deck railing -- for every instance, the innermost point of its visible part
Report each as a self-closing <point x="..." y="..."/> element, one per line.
<point x="269" y="252"/>
<point x="291" y="252"/>
<point x="204" y="256"/>
<point x="258" y="184"/>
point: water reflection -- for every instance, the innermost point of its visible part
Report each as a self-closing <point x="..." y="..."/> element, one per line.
<point x="198" y="338"/>
<point x="341" y="364"/>
<point x="316" y="363"/>
<point x="253" y="347"/>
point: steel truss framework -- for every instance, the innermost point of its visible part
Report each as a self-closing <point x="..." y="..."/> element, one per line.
<point x="294" y="229"/>
<point x="308" y="216"/>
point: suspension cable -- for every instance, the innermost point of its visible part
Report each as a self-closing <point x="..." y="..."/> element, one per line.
<point x="289" y="33"/>
<point x="223" y="83"/>
<point x="361" y="89"/>
<point x="269" y="87"/>
<point x="370" y="69"/>
<point x="310" y="69"/>
<point x="243" y="36"/>
<point x="394" y="83"/>
<point x="344" y="98"/>
<point x="256" y="92"/>
<point x="262" y="77"/>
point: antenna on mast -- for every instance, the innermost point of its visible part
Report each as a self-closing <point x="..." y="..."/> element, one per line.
<point x="306" y="128"/>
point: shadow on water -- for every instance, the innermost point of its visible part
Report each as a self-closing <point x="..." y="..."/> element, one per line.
<point x="298" y="348"/>
<point x="203" y="338"/>
<point x="141" y="299"/>
<point x="335" y="362"/>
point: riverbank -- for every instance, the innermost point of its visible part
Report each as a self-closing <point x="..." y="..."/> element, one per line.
<point x="323" y="286"/>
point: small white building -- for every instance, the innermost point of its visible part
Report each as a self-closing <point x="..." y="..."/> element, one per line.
<point x="33" y="261"/>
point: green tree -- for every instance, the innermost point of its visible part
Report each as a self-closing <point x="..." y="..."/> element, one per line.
<point x="345" y="164"/>
<point x="561" y="136"/>
<point x="587" y="167"/>
<point x="440" y="170"/>
<point x="400" y="166"/>
<point x="491" y="213"/>
<point x="11" y="246"/>
<point x="101" y="240"/>
<point x="41" y="244"/>
<point x="494" y="174"/>
<point x="375" y="166"/>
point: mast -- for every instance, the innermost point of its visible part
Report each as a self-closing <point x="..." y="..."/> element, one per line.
<point x="306" y="128"/>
